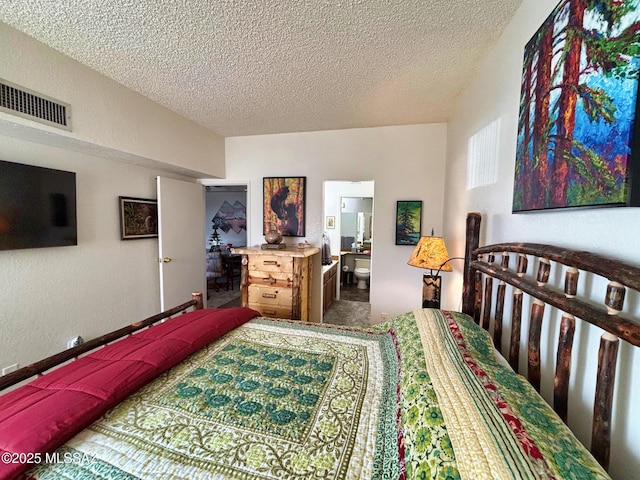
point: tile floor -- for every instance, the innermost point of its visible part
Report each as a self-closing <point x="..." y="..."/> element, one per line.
<point x="351" y="292"/>
<point x="353" y="308"/>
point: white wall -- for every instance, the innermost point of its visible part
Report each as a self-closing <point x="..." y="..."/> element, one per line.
<point x="495" y="94"/>
<point x="120" y="142"/>
<point x="406" y="163"/>
<point x="106" y="115"/>
<point x="49" y="295"/>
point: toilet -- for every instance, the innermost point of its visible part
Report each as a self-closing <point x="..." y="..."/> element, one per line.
<point x="361" y="272"/>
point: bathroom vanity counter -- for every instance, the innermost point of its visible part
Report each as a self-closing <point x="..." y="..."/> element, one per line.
<point x="366" y="253"/>
<point x="348" y="258"/>
<point x="330" y="284"/>
<point x="326" y="268"/>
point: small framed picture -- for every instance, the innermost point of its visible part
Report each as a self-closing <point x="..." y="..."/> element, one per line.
<point x="408" y="222"/>
<point x="138" y="218"/>
<point x="331" y="222"/>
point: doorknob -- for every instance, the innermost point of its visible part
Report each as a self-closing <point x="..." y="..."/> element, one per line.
<point x="166" y="260"/>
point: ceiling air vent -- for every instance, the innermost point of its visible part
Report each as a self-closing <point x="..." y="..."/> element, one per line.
<point x="25" y="103"/>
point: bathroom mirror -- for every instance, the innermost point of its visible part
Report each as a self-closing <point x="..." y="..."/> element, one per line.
<point x="355" y="221"/>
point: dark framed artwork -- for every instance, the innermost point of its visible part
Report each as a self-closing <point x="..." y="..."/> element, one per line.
<point x="138" y="218"/>
<point x="577" y="142"/>
<point x="284" y="205"/>
<point x="408" y="222"/>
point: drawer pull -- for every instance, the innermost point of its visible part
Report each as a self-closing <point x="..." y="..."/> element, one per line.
<point x="269" y="312"/>
<point x="269" y="262"/>
<point x="269" y="280"/>
<point x="269" y="295"/>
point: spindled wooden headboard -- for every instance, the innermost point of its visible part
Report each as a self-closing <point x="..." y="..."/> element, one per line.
<point x="481" y="272"/>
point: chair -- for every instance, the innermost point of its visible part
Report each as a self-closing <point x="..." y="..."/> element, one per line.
<point x="232" y="265"/>
<point x="216" y="273"/>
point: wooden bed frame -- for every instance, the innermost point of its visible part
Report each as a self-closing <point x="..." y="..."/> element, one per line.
<point x="477" y="302"/>
<point x="480" y="263"/>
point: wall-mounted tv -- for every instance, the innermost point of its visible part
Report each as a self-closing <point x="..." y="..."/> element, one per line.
<point x="37" y="207"/>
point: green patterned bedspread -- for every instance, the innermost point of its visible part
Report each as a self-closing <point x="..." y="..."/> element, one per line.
<point x="284" y="400"/>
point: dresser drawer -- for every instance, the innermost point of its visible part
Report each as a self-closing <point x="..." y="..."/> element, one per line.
<point x="271" y="311"/>
<point x="274" y="296"/>
<point x="270" y="263"/>
<point x="271" y="301"/>
<point x="271" y="279"/>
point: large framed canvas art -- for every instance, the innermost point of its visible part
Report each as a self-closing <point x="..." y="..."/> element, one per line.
<point x="577" y="135"/>
<point x="284" y="205"/>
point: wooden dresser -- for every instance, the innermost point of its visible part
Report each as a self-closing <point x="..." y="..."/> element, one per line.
<point x="277" y="283"/>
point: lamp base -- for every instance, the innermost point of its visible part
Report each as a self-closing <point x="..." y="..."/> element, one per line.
<point x="431" y="291"/>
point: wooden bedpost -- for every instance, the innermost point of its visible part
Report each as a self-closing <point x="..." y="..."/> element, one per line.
<point x="607" y="361"/>
<point x="488" y="296"/>
<point x="472" y="242"/>
<point x="197" y="297"/>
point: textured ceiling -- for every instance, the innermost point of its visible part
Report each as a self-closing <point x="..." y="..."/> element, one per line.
<point x="241" y="67"/>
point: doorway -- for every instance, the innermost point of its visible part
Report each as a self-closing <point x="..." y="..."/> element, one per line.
<point x="349" y="217"/>
<point x="225" y="228"/>
<point x="356" y="217"/>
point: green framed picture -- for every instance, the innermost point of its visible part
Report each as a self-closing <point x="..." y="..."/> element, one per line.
<point x="408" y="222"/>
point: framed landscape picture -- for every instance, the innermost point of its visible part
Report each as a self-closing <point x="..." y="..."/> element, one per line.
<point x="577" y="143"/>
<point x="408" y="222"/>
<point x="284" y="205"/>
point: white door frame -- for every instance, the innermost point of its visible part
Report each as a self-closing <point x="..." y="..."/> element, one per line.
<point x="228" y="182"/>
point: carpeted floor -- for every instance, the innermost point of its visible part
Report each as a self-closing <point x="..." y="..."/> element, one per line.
<point x="224" y="298"/>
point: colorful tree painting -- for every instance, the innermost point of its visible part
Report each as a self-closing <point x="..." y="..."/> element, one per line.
<point x="577" y="107"/>
<point x="408" y="222"/>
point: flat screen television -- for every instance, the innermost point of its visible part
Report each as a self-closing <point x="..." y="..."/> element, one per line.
<point x="37" y="207"/>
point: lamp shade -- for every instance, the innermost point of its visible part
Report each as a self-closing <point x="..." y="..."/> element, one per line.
<point x="431" y="253"/>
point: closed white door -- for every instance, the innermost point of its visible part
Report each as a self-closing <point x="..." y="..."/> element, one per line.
<point x="181" y="240"/>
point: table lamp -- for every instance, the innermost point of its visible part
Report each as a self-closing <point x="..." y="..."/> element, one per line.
<point x="431" y="253"/>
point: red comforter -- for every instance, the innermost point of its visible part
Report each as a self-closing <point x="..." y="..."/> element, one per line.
<point x="44" y="414"/>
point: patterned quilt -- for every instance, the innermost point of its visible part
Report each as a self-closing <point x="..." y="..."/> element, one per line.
<point x="420" y="396"/>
